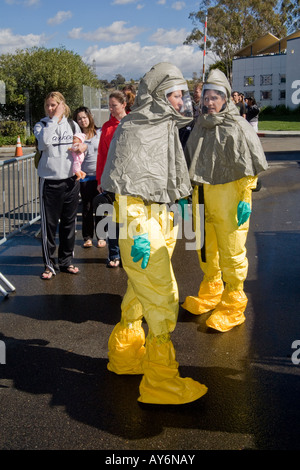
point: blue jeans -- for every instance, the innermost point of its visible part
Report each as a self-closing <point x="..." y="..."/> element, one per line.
<point x="113" y="246"/>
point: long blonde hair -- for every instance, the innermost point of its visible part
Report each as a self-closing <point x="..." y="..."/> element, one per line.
<point x="58" y="97"/>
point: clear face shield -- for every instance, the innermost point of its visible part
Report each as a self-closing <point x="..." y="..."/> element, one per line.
<point x="187" y="106"/>
<point x="218" y="97"/>
<point x="180" y="98"/>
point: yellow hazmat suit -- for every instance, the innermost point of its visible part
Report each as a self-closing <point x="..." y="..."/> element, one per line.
<point x="147" y="169"/>
<point x="224" y="156"/>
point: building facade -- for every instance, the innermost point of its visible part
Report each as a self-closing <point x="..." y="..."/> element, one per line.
<point x="272" y="74"/>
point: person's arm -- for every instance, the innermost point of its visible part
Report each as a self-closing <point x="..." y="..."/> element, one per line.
<point x="101" y="155"/>
<point x="244" y="111"/>
<point x="105" y="140"/>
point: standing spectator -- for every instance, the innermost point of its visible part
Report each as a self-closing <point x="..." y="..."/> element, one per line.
<point x="185" y="131"/>
<point x="59" y="188"/>
<point x="239" y="104"/>
<point x="197" y="99"/>
<point x="129" y="88"/>
<point x="130" y="93"/>
<point x="88" y="185"/>
<point x="252" y="113"/>
<point x="117" y="108"/>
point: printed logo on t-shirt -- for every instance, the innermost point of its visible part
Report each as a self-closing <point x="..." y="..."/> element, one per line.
<point x="65" y="138"/>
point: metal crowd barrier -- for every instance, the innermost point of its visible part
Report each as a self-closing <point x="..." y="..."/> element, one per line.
<point x="7" y="285"/>
<point x="19" y="196"/>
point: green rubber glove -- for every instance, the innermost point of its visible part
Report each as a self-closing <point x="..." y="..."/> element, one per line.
<point x="182" y="203"/>
<point x="141" y="249"/>
<point x="243" y="212"/>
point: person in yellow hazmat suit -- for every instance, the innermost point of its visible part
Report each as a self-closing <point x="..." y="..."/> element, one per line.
<point x="224" y="157"/>
<point x="147" y="170"/>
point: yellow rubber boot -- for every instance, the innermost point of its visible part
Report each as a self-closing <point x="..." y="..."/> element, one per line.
<point x="229" y="312"/>
<point x="161" y="383"/>
<point x="126" y="348"/>
<point x="209" y="296"/>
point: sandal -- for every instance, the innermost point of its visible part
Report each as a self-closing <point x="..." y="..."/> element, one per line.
<point x="115" y="263"/>
<point x="101" y="243"/>
<point x="69" y="269"/>
<point x="47" y="275"/>
<point x="87" y="244"/>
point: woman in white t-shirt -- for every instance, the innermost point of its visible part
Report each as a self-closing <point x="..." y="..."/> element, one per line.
<point x="59" y="189"/>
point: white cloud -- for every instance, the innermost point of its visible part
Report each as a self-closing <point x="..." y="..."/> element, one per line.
<point x="113" y="60"/>
<point x="123" y="2"/>
<point x="116" y="32"/>
<point x="9" y="42"/>
<point x="26" y="3"/>
<point x="169" y="37"/>
<point x="60" y="17"/>
<point x="178" y="5"/>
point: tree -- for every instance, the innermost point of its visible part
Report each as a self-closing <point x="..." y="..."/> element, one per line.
<point x="233" y="25"/>
<point x="292" y="12"/>
<point x="118" y="81"/>
<point x="37" y="71"/>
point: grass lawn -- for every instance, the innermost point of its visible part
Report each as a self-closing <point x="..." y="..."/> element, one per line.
<point x="279" y="123"/>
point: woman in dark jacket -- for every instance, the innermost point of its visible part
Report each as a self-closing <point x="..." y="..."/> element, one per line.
<point x="252" y="113"/>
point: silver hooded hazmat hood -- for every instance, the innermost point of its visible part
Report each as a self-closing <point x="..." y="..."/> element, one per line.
<point x="223" y="147"/>
<point x="145" y="157"/>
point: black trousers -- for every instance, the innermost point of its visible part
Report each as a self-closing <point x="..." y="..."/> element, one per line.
<point x="88" y="191"/>
<point x="59" y="204"/>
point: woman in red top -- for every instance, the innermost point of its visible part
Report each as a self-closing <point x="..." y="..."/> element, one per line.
<point x="117" y="108"/>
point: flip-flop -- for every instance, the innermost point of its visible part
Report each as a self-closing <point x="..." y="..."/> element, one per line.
<point x="87" y="244"/>
<point x="70" y="269"/>
<point x="47" y="275"/>
<point x="101" y="243"/>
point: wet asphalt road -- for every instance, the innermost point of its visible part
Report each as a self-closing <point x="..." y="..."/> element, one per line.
<point x="56" y="392"/>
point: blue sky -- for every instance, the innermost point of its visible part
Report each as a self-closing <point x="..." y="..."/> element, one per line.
<point x="119" y="36"/>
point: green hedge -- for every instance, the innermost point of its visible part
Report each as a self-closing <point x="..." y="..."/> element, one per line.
<point x="280" y="110"/>
<point x="30" y="140"/>
<point x="10" y="130"/>
<point x="12" y="140"/>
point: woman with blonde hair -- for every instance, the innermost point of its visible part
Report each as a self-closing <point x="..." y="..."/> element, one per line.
<point x="59" y="188"/>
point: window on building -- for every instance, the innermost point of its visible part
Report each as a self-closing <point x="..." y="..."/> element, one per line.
<point x="282" y="78"/>
<point x="249" y="81"/>
<point x="281" y="94"/>
<point x="265" y="95"/>
<point x="266" y="79"/>
<point x="249" y="93"/>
